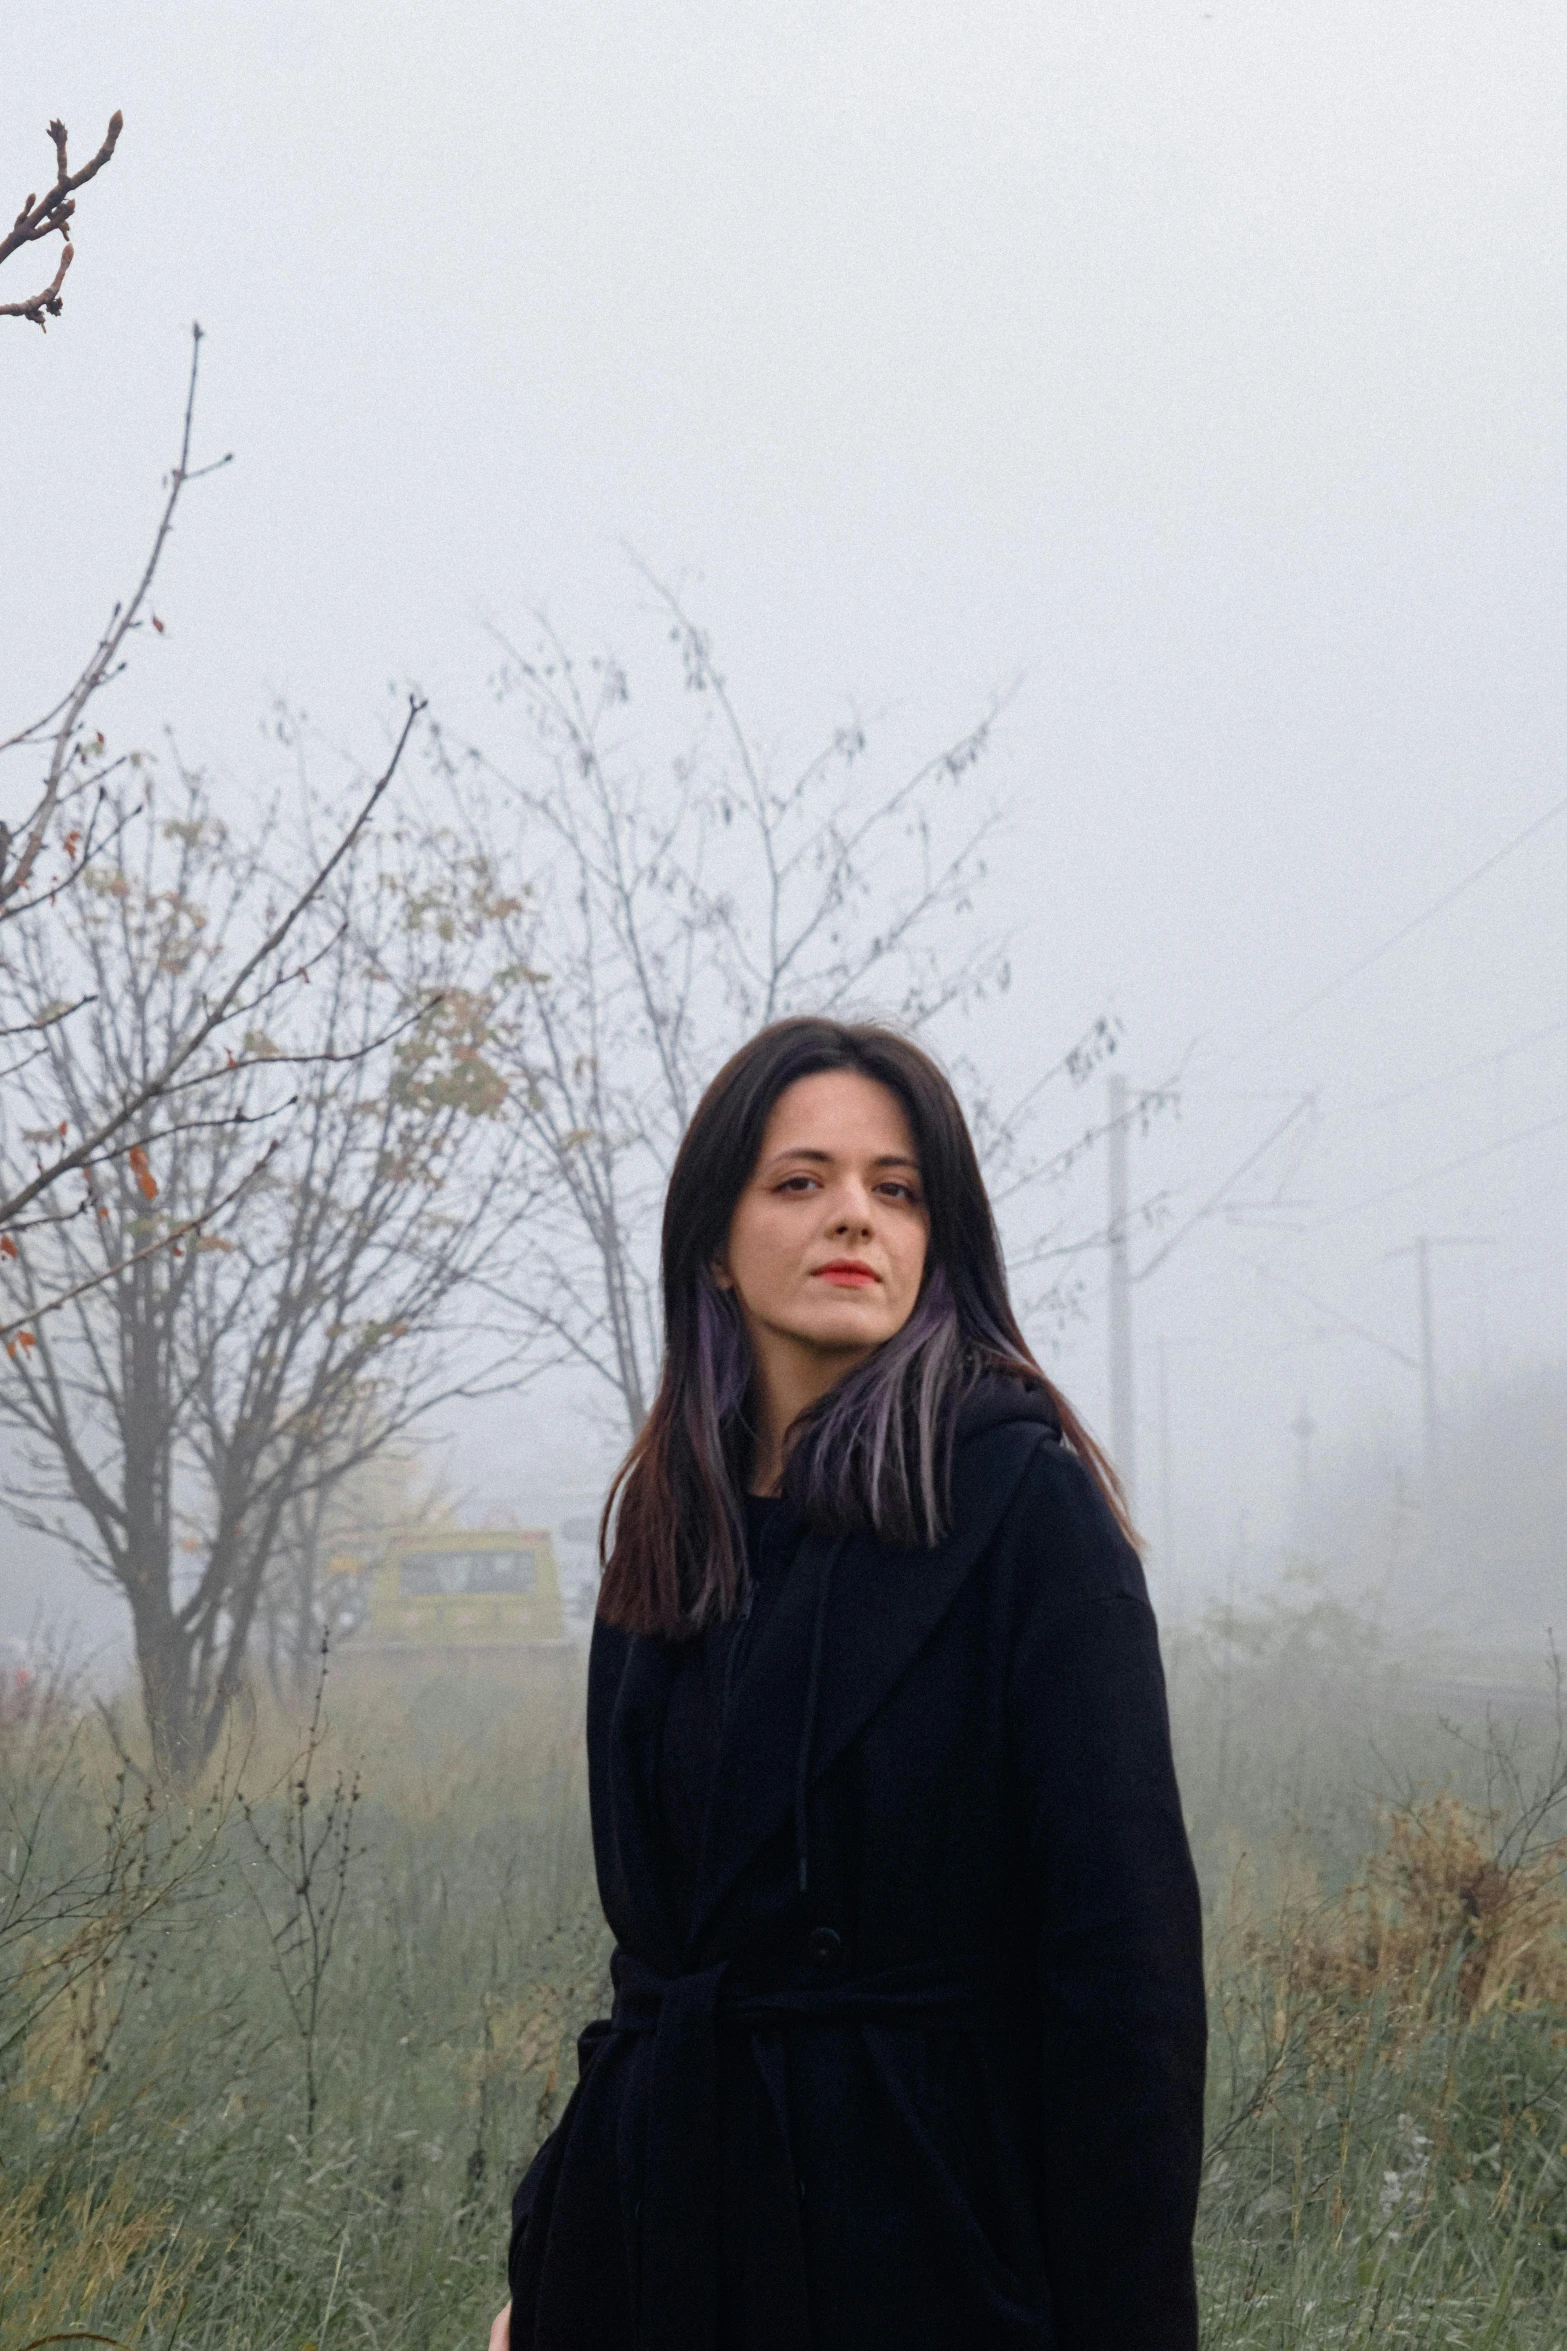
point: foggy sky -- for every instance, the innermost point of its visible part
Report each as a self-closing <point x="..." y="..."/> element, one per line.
<point x="1203" y="367"/>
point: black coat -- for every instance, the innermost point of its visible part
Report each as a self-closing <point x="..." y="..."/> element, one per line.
<point x="949" y="2096"/>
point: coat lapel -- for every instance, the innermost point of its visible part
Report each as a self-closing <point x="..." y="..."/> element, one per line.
<point x="636" y="1728"/>
<point x="883" y="1606"/>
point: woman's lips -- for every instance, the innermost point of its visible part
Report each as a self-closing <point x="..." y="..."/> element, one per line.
<point x="845" y="1275"/>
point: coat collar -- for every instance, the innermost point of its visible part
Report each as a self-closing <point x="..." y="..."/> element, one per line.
<point x="883" y="1605"/>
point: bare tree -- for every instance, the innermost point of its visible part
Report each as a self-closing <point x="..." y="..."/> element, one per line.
<point x="252" y="1297"/>
<point x="51" y="216"/>
<point x="663" y="919"/>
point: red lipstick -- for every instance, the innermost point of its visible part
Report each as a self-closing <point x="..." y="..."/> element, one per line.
<point x="846" y="1273"/>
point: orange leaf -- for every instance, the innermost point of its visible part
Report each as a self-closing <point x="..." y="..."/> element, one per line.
<point x="7" y="1246"/>
<point x="143" y="1173"/>
<point x="157" y="624"/>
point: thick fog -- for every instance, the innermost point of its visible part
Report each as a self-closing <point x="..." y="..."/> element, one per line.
<point x="1198" y="373"/>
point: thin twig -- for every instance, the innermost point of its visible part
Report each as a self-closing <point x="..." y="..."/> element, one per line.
<point x="121" y="621"/>
<point x="167" y="1240"/>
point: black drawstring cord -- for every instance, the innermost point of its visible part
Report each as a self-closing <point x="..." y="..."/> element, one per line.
<point x="802" y="1779"/>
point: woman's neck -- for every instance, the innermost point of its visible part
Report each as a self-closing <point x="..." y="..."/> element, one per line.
<point x="787" y="1381"/>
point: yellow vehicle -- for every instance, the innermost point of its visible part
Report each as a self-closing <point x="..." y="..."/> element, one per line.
<point x="451" y="1589"/>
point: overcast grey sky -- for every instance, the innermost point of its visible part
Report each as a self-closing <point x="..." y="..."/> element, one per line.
<point x="1204" y="366"/>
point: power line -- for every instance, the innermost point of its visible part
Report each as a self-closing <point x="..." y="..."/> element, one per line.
<point x="1365" y="962"/>
<point x="1450" y="1167"/>
<point x="1304" y="1103"/>
<point x="1336" y="1314"/>
<point x="1449" y="1077"/>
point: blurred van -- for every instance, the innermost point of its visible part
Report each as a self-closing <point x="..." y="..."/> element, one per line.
<point x="448" y="1590"/>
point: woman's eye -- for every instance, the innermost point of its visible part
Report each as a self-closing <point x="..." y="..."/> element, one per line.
<point x="798" y="1183"/>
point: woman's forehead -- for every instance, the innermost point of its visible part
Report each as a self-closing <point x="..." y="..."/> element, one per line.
<point x="839" y="1113"/>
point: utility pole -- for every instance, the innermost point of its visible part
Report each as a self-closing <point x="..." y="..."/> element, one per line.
<point x="1303" y="1428"/>
<point x="1430" y="1413"/>
<point x="1166" y="1494"/>
<point x="1123" y="1395"/>
<point x="1123" y="1402"/>
<point x="1427" y="1368"/>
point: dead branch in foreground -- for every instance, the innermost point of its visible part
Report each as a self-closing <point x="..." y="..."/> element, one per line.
<point x="50" y="216"/>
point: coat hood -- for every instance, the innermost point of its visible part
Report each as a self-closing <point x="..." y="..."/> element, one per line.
<point x="997" y="1398"/>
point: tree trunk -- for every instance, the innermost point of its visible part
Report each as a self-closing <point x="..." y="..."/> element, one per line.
<point x="164" y="1661"/>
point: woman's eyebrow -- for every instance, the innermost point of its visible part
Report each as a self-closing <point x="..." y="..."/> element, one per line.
<point x="825" y="1158"/>
<point x="800" y="1151"/>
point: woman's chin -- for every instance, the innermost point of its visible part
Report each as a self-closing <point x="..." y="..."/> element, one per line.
<point x="844" y="1332"/>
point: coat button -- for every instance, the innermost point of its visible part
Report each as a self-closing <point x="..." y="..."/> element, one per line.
<point x="824" y="1947"/>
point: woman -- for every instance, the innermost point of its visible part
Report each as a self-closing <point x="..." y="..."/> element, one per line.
<point x="907" y="2044"/>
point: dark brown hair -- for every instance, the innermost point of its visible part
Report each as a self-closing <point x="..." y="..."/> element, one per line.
<point x="875" y="1452"/>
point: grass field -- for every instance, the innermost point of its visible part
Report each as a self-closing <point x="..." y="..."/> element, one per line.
<point x="271" y="2066"/>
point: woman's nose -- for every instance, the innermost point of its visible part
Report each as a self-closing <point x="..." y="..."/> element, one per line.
<point x="854" y="1213"/>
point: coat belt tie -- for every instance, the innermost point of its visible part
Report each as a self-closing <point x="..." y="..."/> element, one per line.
<point x="677" y="2300"/>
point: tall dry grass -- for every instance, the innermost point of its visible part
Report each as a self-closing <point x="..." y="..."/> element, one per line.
<point x="223" y="2126"/>
<point x="1387" y="2158"/>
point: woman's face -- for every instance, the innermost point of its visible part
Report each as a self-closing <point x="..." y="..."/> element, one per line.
<point x="826" y="1247"/>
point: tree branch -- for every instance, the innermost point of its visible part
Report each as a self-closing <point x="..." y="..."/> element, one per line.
<point x="9" y="1330"/>
<point x="52" y="217"/>
<point x="138" y="1100"/>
